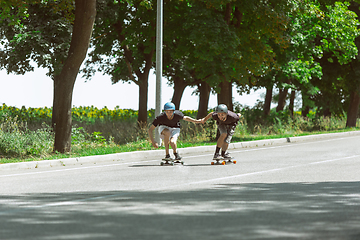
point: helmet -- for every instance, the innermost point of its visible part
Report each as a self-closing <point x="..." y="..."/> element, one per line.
<point x="169" y="106"/>
<point x="221" y="108"/>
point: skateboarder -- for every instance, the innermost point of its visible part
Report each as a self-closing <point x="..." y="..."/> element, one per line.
<point x="227" y="122"/>
<point x="169" y="128"/>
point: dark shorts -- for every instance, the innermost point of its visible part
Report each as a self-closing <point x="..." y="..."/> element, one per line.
<point x="228" y="129"/>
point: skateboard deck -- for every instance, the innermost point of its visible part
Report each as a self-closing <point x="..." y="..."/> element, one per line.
<point x="223" y="161"/>
<point x="170" y="162"/>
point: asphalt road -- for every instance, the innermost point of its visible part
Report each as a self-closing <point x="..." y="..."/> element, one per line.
<point x="303" y="190"/>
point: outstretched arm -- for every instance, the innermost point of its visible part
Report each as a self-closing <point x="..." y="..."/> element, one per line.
<point x="206" y="118"/>
<point x="150" y="131"/>
<point x="190" y="119"/>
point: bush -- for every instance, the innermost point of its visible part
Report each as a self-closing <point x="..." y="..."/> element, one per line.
<point x="26" y="132"/>
<point x="17" y="141"/>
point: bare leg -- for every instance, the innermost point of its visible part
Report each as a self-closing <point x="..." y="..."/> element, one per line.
<point x="225" y="146"/>
<point x="173" y="144"/>
<point x="221" y="141"/>
<point x="166" y="134"/>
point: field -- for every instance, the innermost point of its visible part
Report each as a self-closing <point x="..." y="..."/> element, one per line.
<point x="26" y="135"/>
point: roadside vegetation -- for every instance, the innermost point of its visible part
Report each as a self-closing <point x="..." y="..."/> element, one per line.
<point x="306" y="48"/>
<point x="26" y="133"/>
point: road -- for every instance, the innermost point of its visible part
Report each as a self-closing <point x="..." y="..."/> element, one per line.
<point x="304" y="190"/>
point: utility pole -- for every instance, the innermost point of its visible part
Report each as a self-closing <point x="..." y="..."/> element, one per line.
<point x="159" y="57"/>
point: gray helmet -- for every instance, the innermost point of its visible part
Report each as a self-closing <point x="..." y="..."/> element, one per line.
<point x="221" y="108"/>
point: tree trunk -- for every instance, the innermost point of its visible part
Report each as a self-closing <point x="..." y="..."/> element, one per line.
<point x="268" y="98"/>
<point x="204" y="89"/>
<point x="85" y="11"/>
<point x="225" y="95"/>
<point x="143" y="99"/>
<point x="143" y="83"/>
<point x="353" y="108"/>
<point x="305" y="109"/>
<point x="291" y="105"/>
<point x="282" y="99"/>
<point x="354" y="95"/>
<point x="179" y="87"/>
<point x="326" y="111"/>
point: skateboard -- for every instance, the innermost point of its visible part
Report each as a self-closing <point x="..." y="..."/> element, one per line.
<point x="170" y="162"/>
<point x="223" y="161"/>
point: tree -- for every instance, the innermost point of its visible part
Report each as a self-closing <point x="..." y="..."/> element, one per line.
<point x="85" y="11"/>
<point x="198" y="47"/>
<point x="124" y="45"/>
<point x="354" y="99"/>
<point x="322" y="37"/>
<point x="221" y="42"/>
<point x="56" y="37"/>
<point x="261" y="30"/>
<point x="335" y="41"/>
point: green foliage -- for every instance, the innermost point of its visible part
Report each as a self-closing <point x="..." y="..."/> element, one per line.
<point x="97" y="138"/>
<point x="123" y="40"/>
<point x="217" y="41"/>
<point x="26" y="114"/>
<point x="320" y="61"/>
<point x="78" y="135"/>
<point x="17" y="141"/>
<point x="103" y="136"/>
<point x="43" y="36"/>
<point x="282" y="123"/>
<point x="306" y="45"/>
<point x="13" y="11"/>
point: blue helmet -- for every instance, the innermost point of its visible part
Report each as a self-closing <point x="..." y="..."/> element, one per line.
<point x="169" y="106"/>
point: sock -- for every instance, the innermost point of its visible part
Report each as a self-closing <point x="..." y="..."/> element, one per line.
<point x="222" y="153"/>
<point x="217" y="150"/>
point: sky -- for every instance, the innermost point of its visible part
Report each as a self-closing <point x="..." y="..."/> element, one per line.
<point x="35" y="89"/>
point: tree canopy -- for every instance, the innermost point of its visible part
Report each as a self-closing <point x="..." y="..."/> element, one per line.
<point x="309" y="46"/>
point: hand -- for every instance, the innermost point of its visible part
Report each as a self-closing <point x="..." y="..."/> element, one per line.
<point x="155" y="144"/>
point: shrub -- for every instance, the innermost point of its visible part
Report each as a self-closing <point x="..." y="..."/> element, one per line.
<point x="16" y="142"/>
<point x="26" y="132"/>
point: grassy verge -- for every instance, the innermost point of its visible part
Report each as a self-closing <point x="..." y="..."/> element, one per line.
<point x="80" y="150"/>
<point x="25" y="134"/>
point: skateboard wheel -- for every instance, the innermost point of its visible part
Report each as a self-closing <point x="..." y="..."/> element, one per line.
<point x="234" y="162"/>
<point x="162" y="164"/>
<point x="223" y="163"/>
<point x="212" y="163"/>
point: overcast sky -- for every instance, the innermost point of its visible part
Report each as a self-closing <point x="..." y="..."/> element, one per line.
<point x="35" y="89"/>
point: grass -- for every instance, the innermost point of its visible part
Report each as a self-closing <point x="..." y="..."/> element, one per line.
<point x="141" y="145"/>
<point x="33" y="140"/>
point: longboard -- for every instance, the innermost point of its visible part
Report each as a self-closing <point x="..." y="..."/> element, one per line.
<point x="223" y="161"/>
<point x="170" y="162"/>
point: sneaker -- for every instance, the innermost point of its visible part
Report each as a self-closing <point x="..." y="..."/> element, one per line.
<point x="177" y="156"/>
<point x="167" y="157"/>
<point x="217" y="156"/>
<point x="226" y="156"/>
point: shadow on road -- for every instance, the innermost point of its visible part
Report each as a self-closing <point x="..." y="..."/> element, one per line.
<point x="329" y="210"/>
<point x="176" y="165"/>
